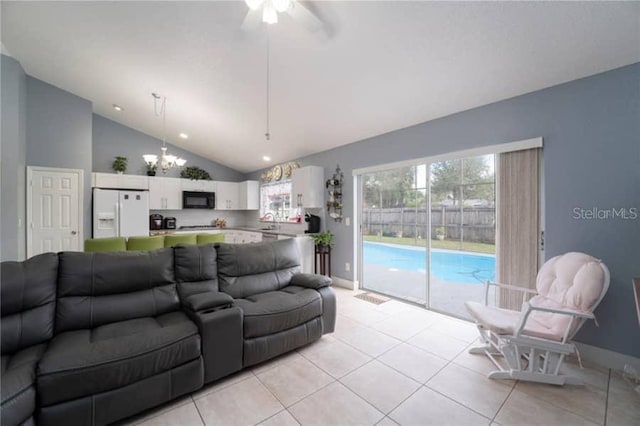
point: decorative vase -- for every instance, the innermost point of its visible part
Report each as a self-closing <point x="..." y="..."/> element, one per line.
<point x="120" y="173"/>
<point x="151" y="172"/>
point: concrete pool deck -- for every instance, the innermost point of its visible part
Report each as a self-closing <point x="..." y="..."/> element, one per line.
<point x="446" y="296"/>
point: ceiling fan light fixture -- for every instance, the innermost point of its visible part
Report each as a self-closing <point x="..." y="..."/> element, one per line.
<point x="254" y="4"/>
<point x="281" y="5"/>
<point x="269" y="14"/>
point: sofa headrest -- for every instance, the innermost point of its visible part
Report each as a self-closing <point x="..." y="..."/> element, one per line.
<point x="28" y="299"/>
<point x="100" y="288"/>
<point x="247" y="269"/>
<point x="196" y="269"/>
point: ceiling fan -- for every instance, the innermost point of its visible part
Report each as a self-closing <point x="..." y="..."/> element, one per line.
<point x="267" y="11"/>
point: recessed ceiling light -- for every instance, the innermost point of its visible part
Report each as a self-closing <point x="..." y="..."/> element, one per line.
<point x="266" y="158"/>
<point x="118" y="108"/>
<point x="184" y="136"/>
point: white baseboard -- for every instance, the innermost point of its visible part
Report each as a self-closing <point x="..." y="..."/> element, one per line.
<point x="607" y="358"/>
<point x="341" y="282"/>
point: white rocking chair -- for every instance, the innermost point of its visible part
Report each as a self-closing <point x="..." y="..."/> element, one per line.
<point x="534" y="342"/>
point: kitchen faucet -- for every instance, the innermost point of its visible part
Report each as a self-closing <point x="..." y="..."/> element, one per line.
<point x="274" y="225"/>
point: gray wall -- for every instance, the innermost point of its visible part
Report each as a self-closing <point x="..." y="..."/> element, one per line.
<point x="59" y="134"/>
<point x="12" y="219"/>
<point x="591" y="131"/>
<point x="111" y="139"/>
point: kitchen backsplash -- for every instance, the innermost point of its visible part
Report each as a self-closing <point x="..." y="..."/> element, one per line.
<point x="193" y="217"/>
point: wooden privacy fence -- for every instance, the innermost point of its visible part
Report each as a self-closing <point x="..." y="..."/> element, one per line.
<point x="478" y="223"/>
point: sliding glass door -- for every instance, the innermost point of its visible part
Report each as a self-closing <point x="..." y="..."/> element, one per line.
<point x="428" y="232"/>
<point x="463" y="229"/>
<point x="394" y="232"/>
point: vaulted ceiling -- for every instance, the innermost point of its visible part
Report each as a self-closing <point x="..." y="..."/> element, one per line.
<point x="377" y="66"/>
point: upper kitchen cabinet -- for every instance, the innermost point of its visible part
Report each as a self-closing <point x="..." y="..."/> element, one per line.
<point x="116" y="181"/>
<point x="227" y="195"/>
<point x="307" y="187"/>
<point x="249" y="195"/>
<point x="198" y="185"/>
<point x="165" y="193"/>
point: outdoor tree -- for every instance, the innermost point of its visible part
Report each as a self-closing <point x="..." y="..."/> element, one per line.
<point x="471" y="178"/>
<point x="390" y="188"/>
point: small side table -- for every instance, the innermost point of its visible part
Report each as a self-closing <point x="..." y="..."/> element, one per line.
<point x="322" y="264"/>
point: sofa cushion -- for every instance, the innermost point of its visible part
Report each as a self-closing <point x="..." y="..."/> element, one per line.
<point x="85" y="362"/>
<point x="28" y="298"/>
<point x="18" y="384"/>
<point x="274" y="311"/>
<point x="100" y="288"/>
<point x="248" y="269"/>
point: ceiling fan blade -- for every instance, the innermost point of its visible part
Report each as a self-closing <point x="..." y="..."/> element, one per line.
<point x="252" y="20"/>
<point x="301" y="14"/>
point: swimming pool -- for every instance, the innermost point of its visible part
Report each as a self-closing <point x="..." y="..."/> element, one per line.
<point x="448" y="265"/>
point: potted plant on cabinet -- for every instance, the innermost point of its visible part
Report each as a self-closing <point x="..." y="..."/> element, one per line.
<point x="195" y="173"/>
<point x="151" y="168"/>
<point x="119" y="164"/>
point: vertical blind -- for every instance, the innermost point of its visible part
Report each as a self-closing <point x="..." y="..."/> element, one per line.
<point x="518" y="232"/>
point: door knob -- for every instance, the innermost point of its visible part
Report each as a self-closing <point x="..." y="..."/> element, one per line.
<point x="73" y="232"/>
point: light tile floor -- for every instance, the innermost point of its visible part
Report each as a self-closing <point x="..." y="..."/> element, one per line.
<point x="396" y="364"/>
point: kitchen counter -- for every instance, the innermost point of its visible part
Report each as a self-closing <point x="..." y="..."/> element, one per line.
<point x="216" y="230"/>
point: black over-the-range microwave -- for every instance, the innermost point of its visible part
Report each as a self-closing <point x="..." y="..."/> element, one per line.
<point x="198" y="200"/>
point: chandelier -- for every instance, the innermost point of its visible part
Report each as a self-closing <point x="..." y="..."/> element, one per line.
<point x="166" y="161"/>
<point x="270" y="8"/>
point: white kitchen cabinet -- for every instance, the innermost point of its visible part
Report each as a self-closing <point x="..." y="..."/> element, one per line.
<point x="227" y="195"/>
<point x="117" y="181"/>
<point x="307" y="253"/>
<point x="198" y="185"/>
<point x="307" y="185"/>
<point x="165" y="193"/>
<point x="230" y="236"/>
<point x="241" y="237"/>
<point x="252" y="237"/>
<point x="249" y="195"/>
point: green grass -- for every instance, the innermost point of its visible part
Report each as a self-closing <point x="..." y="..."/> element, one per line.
<point x="444" y="244"/>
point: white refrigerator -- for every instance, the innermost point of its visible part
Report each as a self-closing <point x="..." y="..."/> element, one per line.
<point x="120" y="213"/>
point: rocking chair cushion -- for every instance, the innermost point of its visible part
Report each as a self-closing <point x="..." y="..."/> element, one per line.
<point x="504" y="321"/>
<point x="572" y="280"/>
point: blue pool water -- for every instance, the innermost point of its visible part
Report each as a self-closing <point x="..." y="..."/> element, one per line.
<point x="447" y="265"/>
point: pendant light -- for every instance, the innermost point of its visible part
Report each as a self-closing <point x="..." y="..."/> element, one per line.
<point x="167" y="161"/>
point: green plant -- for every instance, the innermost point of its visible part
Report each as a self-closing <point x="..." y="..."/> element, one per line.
<point x="323" y="239"/>
<point x="120" y="164"/>
<point x="195" y="173"/>
<point x="440" y="231"/>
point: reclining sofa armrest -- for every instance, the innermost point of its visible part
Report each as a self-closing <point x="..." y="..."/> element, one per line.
<point x="208" y="302"/>
<point x="222" y="342"/>
<point x="313" y="281"/>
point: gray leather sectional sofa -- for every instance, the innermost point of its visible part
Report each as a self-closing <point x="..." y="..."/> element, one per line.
<point x="91" y="338"/>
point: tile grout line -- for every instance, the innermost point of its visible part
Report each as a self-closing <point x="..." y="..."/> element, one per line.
<point x="198" y="410"/>
<point x="457" y="402"/>
<point x="606" y="402"/>
<point x="513" y="388"/>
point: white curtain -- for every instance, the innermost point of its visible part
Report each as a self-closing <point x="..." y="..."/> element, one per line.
<point x="518" y="232"/>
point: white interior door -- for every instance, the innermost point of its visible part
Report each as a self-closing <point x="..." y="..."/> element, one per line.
<point x="54" y="210"/>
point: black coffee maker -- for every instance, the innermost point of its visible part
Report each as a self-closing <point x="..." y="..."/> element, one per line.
<point x="314" y="223"/>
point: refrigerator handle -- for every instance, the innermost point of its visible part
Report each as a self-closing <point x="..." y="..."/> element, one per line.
<point x="118" y="208"/>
